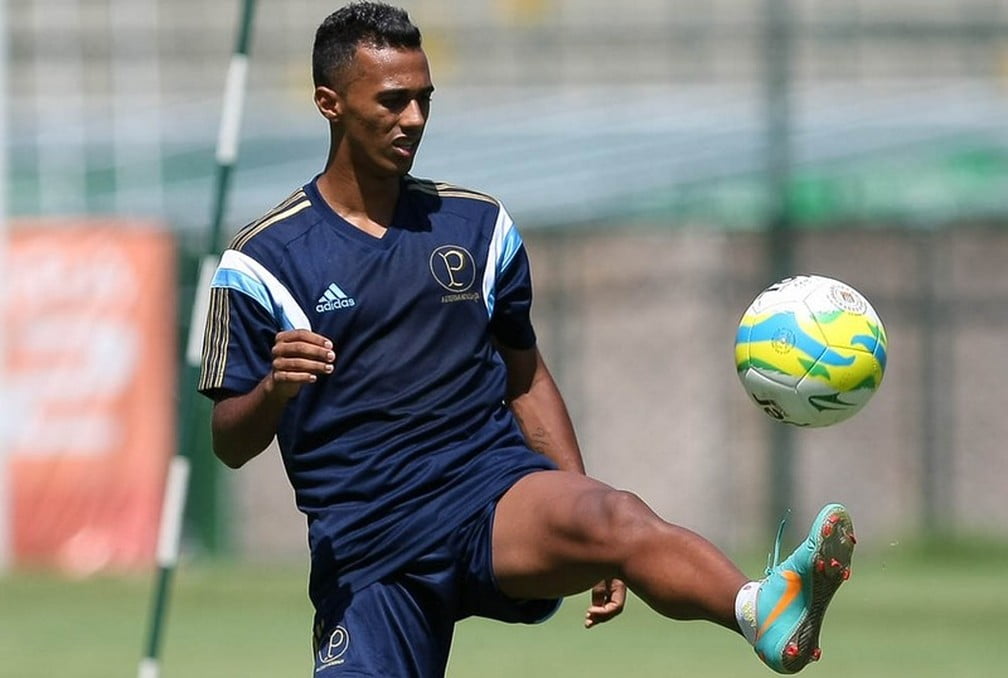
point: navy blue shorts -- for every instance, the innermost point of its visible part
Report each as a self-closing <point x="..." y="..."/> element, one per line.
<point x="402" y="626"/>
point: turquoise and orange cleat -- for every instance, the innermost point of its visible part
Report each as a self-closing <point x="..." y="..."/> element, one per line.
<point x="792" y="599"/>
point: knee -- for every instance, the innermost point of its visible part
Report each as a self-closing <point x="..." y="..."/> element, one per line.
<point x="627" y="521"/>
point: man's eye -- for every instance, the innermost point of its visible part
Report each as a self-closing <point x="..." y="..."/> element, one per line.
<point x="394" y="102"/>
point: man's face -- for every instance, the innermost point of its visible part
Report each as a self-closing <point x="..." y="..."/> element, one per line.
<point x="385" y="100"/>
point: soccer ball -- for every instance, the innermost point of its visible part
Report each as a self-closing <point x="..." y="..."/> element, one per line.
<point x="810" y="351"/>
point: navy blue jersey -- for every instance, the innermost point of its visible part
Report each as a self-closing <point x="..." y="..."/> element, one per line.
<point x="410" y="435"/>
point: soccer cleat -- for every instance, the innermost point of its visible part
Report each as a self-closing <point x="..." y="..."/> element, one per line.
<point x="792" y="599"/>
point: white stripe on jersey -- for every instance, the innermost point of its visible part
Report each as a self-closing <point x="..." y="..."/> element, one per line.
<point x="504" y="245"/>
<point x="238" y="271"/>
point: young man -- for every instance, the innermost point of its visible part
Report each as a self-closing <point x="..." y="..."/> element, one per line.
<point x="378" y="326"/>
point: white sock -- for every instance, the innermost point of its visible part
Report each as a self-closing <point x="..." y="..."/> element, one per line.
<point x="745" y="610"/>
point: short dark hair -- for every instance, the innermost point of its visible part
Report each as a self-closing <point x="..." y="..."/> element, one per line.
<point x="374" y="24"/>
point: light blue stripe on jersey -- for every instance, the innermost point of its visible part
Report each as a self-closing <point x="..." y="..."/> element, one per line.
<point x="504" y="245"/>
<point x="238" y="271"/>
<point x="247" y="285"/>
<point x="512" y="243"/>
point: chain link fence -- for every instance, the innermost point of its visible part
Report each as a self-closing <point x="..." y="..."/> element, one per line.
<point x="643" y="342"/>
<point x="631" y="145"/>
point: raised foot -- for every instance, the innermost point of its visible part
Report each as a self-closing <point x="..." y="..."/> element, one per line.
<point x="792" y="600"/>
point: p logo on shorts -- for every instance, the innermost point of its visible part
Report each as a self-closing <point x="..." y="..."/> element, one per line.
<point x="331" y="652"/>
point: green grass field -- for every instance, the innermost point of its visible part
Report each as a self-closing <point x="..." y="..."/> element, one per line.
<point x="906" y="612"/>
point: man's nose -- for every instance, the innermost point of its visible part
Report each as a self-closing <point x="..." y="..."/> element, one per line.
<point x="413" y="115"/>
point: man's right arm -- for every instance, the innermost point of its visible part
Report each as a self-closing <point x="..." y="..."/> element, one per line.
<point x="244" y="425"/>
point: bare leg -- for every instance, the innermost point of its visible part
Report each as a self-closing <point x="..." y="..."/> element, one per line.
<point x="558" y="533"/>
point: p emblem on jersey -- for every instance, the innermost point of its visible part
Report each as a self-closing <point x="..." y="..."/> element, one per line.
<point x="455" y="270"/>
<point x="453" y="267"/>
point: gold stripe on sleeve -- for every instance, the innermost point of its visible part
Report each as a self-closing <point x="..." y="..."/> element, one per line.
<point x="444" y="190"/>
<point x="215" y="340"/>
<point x="289" y="207"/>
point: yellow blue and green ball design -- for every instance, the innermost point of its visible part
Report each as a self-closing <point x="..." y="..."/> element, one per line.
<point x="811" y="351"/>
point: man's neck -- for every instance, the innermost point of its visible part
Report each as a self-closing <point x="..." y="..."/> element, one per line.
<point x="365" y="202"/>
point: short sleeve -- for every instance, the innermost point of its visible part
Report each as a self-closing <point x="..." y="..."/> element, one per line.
<point x="237" y="344"/>
<point x="248" y="306"/>
<point x="508" y="286"/>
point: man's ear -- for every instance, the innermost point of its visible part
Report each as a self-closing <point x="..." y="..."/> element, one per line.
<point x="328" y="103"/>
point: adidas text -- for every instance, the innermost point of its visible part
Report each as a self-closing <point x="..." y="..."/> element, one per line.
<point x="334" y="305"/>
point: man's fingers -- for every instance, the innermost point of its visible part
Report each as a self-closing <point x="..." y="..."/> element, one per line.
<point x="617" y="593"/>
<point x="597" y="614"/>
<point x="299" y="357"/>
<point x="306" y="336"/>
<point x="606" y="609"/>
<point x="294" y="377"/>
<point x="303" y="349"/>
<point x="599" y="594"/>
<point x="608" y="599"/>
<point x="295" y="365"/>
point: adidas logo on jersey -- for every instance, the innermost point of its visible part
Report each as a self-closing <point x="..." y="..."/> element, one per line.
<point x="334" y="299"/>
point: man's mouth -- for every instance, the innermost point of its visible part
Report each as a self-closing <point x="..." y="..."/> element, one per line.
<point x="405" y="147"/>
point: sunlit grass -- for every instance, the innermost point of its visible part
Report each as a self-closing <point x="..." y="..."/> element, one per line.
<point x="917" y="611"/>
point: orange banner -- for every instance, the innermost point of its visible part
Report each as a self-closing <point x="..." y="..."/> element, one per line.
<point x="90" y="365"/>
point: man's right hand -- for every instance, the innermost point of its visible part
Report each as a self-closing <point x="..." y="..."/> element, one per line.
<point x="243" y="425"/>
<point x="299" y="358"/>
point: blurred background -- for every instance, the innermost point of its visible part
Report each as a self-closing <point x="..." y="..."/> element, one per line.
<point x="665" y="160"/>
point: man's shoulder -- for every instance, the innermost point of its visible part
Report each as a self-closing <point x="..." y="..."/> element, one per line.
<point x="444" y="192"/>
<point x="286" y="221"/>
